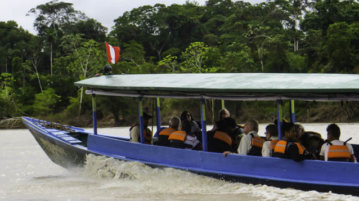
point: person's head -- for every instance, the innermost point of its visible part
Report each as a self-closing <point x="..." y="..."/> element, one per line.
<point x="107" y="70"/>
<point x="186" y="116"/>
<point x="175" y="123"/>
<point x="289" y="131"/>
<point x="313" y="144"/>
<point x="227" y="125"/>
<point x="224" y="113"/>
<point x="251" y="125"/>
<point x="333" y="132"/>
<point x="271" y="131"/>
<point x="299" y="129"/>
<point x="146" y="118"/>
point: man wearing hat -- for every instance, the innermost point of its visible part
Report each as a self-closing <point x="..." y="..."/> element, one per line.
<point x="135" y="130"/>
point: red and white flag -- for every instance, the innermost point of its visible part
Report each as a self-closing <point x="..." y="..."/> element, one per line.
<point x="113" y="53"/>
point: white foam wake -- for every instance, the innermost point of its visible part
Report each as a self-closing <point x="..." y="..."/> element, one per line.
<point x="139" y="178"/>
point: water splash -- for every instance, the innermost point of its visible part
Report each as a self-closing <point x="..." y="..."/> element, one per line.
<point x="142" y="179"/>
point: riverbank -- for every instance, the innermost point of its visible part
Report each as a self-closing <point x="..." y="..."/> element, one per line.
<point x="11" y="123"/>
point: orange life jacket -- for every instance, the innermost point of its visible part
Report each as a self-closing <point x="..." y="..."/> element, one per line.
<point x="272" y="144"/>
<point x="281" y="147"/>
<point x="257" y="141"/>
<point x="178" y="135"/>
<point x="339" y="152"/>
<point x="166" y="131"/>
<point x="257" y="145"/>
<point x="223" y="136"/>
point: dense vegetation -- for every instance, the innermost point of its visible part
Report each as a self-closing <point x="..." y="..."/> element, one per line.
<point x="38" y="71"/>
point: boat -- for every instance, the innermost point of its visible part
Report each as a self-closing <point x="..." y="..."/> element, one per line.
<point x="68" y="146"/>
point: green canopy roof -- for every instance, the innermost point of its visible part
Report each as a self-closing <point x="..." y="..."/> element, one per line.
<point x="249" y="86"/>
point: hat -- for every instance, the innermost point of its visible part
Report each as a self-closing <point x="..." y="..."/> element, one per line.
<point x="146" y="116"/>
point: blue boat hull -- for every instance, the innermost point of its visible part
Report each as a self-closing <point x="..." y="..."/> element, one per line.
<point x="340" y="177"/>
<point x="54" y="143"/>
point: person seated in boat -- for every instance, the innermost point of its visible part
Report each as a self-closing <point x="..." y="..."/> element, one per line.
<point x="192" y="142"/>
<point x="183" y="138"/>
<point x="289" y="147"/>
<point x="271" y="140"/>
<point x="174" y="125"/>
<point x="195" y="126"/>
<point x="222" y="138"/>
<point x="223" y="113"/>
<point x="250" y="131"/>
<point x="334" y="149"/>
<point x="135" y="130"/>
<point x="312" y="141"/>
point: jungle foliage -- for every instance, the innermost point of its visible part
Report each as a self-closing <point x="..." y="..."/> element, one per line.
<point x="296" y="36"/>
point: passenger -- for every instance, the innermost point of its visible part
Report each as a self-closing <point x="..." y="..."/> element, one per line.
<point x="183" y="138"/>
<point x="289" y="147"/>
<point x="222" y="138"/>
<point x="174" y="125"/>
<point x="312" y="141"/>
<point x="272" y="139"/>
<point x="250" y="131"/>
<point x="334" y="149"/>
<point x="300" y="132"/>
<point x="195" y="127"/>
<point x="223" y="113"/>
<point x="191" y="141"/>
<point x="135" y="130"/>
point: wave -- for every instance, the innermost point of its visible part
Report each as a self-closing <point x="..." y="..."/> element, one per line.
<point x="139" y="178"/>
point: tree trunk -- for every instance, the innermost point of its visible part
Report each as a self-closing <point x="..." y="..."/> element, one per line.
<point x="296" y="45"/>
<point x="34" y="64"/>
<point x="38" y="78"/>
<point x="260" y="56"/>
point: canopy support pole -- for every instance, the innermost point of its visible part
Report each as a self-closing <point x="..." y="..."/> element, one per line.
<point x="203" y="123"/>
<point x="140" y="115"/>
<point x="292" y="111"/>
<point x="158" y="116"/>
<point x="279" y="118"/>
<point x="94" y="116"/>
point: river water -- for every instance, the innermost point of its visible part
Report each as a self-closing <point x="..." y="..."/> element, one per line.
<point x="27" y="174"/>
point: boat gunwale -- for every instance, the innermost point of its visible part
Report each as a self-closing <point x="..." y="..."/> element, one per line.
<point x="50" y="134"/>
